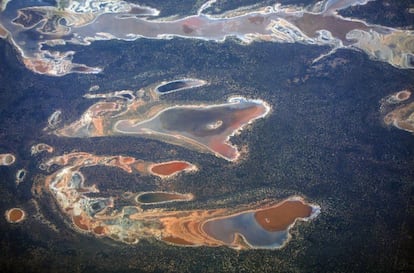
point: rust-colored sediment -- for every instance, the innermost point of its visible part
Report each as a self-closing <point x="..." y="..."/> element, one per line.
<point x="15" y="215"/>
<point x="221" y="147"/>
<point x="177" y="241"/>
<point x="184" y="228"/>
<point x="169" y="168"/>
<point x="101" y="108"/>
<point x="127" y="160"/>
<point x="78" y="221"/>
<point x="219" y="144"/>
<point x="282" y="216"/>
<point x="98" y="124"/>
<point x="99" y="230"/>
<point x="244" y="116"/>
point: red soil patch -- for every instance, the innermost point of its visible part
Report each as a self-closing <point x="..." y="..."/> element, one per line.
<point x="281" y="216"/>
<point x="127" y="160"/>
<point x="99" y="230"/>
<point x="177" y="241"/>
<point x="15" y="215"/>
<point x="77" y="220"/>
<point x="169" y="168"/>
<point x="218" y="145"/>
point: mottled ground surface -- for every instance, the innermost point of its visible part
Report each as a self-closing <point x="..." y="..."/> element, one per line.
<point x="324" y="140"/>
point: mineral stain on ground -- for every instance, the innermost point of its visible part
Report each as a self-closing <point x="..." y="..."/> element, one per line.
<point x="15" y="215"/>
<point x="225" y="136"/>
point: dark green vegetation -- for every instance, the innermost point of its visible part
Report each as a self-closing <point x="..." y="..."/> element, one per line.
<point x="324" y="140"/>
